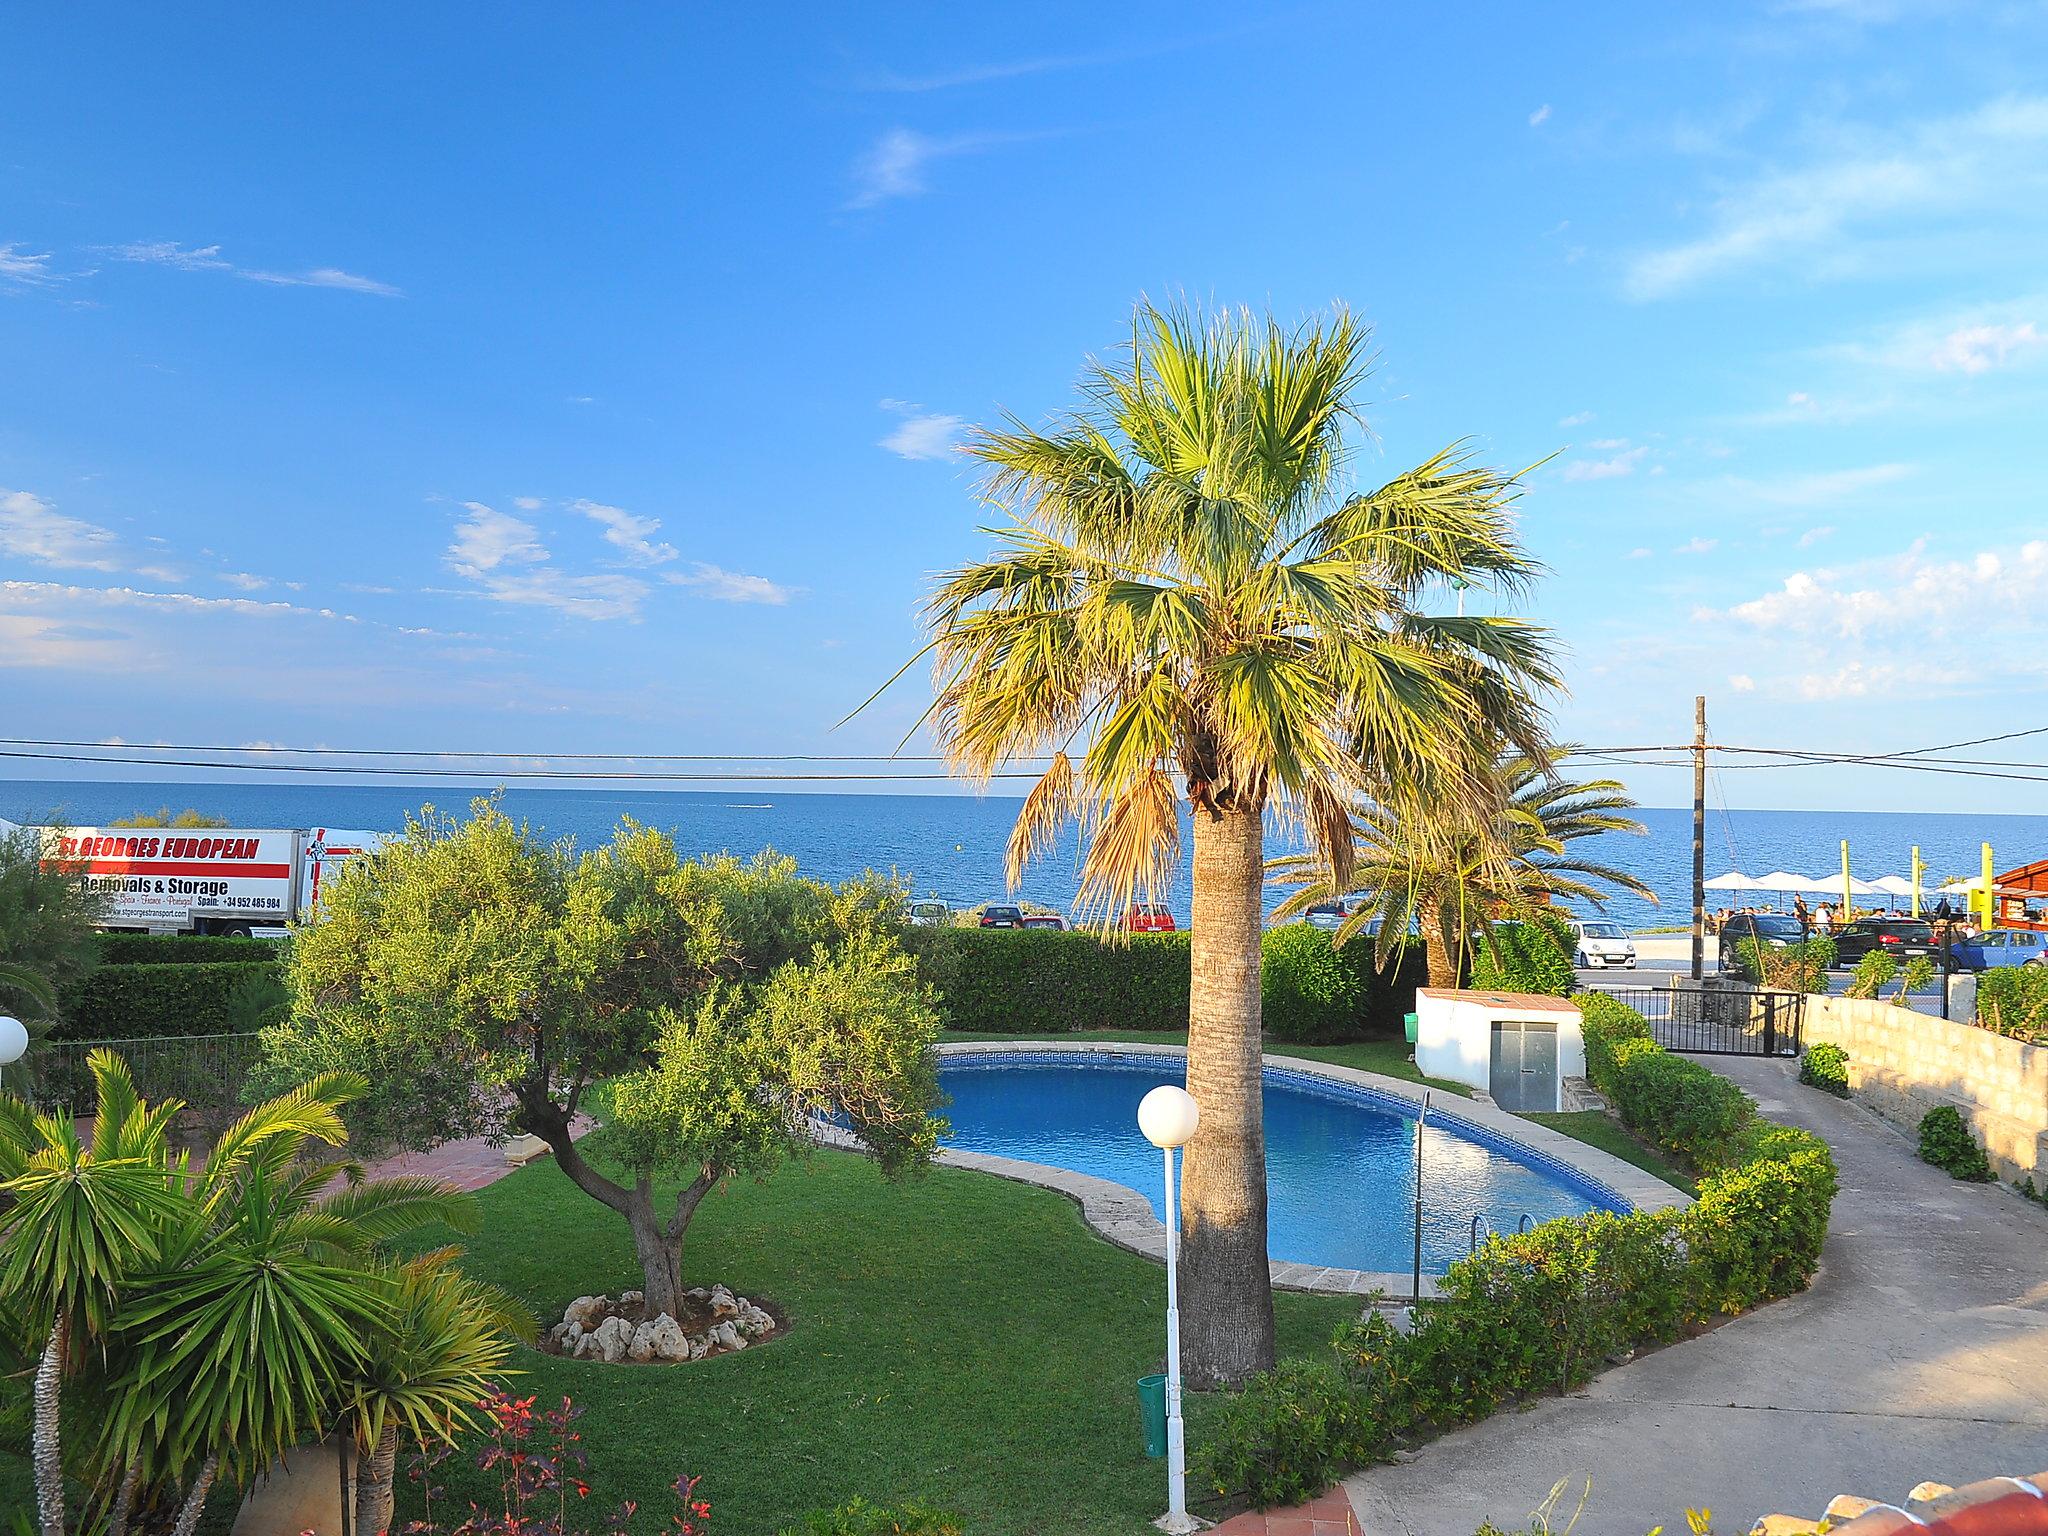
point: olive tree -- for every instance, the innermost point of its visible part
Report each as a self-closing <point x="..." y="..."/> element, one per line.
<point x="486" y="982"/>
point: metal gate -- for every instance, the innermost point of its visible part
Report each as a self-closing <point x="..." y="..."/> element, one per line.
<point x="1524" y="1066"/>
<point x="1718" y="1021"/>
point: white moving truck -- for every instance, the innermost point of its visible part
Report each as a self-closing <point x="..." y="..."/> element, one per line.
<point x="227" y="880"/>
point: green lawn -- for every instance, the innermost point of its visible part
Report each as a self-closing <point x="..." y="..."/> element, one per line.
<point x="1389" y="1058"/>
<point x="960" y="1339"/>
<point x="1597" y="1128"/>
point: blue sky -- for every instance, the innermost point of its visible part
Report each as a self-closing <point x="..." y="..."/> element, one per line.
<point x="507" y="378"/>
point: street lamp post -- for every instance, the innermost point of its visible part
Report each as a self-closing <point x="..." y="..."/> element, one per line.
<point x="1168" y="1117"/>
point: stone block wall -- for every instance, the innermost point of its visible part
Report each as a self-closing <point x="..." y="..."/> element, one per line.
<point x="1903" y="1064"/>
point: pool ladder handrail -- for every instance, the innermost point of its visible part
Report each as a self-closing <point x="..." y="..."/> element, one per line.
<point x="1526" y="1223"/>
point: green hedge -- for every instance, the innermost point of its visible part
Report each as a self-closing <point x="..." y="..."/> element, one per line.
<point x="2013" y="1000"/>
<point x="1039" y="981"/>
<point x="1044" y="981"/>
<point x="183" y="949"/>
<point x="121" y="1002"/>
<point x="1538" y="1312"/>
<point x="1530" y="955"/>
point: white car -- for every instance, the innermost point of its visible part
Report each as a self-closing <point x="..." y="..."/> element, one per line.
<point x="1602" y="943"/>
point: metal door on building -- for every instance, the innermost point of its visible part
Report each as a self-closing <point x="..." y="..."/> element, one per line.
<point x="1524" y="1071"/>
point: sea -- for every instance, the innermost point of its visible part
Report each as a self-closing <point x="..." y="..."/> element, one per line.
<point x="952" y="845"/>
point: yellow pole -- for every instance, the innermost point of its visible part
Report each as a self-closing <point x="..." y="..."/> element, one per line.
<point x="1848" y="898"/>
<point x="1989" y="916"/>
<point x="1918" y="869"/>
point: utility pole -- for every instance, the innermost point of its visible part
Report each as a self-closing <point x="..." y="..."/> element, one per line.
<point x="1699" y="835"/>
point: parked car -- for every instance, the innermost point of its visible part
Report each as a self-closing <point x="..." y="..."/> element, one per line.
<point x="930" y="913"/>
<point x="1049" y="920"/>
<point x="1768" y="929"/>
<point x="1905" y="938"/>
<point x="1002" y="917"/>
<point x="1327" y="915"/>
<point x="1997" y="948"/>
<point x="1148" y="917"/>
<point x="1601" y="942"/>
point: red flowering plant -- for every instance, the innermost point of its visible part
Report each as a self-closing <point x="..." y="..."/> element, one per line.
<point x="540" y="1464"/>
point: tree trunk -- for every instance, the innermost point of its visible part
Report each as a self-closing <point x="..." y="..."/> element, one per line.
<point x="195" y="1501"/>
<point x="660" y="1255"/>
<point x="376" y="1485"/>
<point x="1440" y="943"/>
<point x="48" y="1454"/>
<point x="124" y="1500"/>
<point x="1226" y="1294"/>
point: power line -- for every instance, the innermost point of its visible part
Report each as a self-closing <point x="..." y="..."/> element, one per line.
<point x="505" y="773"/>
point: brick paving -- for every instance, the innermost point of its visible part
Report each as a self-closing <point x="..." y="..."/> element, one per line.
<point x="467" y="1164"/>
<point x="1329" y="1515"/>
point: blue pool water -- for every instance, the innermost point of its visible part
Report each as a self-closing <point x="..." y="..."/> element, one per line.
<point x="1340" y="1161"/>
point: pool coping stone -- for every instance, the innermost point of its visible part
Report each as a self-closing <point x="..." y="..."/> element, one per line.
<point x="1124" y="1217"/>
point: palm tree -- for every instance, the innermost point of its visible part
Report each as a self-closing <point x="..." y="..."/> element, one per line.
<point x="82" y="1222"/>
<point x="1190" y="593"/>
<point x="1444" y="870"/>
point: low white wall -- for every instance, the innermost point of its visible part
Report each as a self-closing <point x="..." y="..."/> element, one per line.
<point x="1903" y="1063"/>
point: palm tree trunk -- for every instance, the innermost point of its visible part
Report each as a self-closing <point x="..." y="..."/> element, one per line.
<point x="124" y="1500"/>
<point x="1439" y="943"/>
<point x="375" y="1485"/>
<point x="48" y="1451"/>
<point x="195" y="1501"/>
<point x="1226" y="1296"/>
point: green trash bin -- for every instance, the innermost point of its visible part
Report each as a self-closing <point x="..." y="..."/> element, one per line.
<point x="1408" y="1023"/>
<point x="1152" y="1403"/>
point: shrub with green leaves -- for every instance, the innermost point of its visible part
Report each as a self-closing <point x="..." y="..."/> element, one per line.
<point x="1755" y="1229"/>
<point x="1683" y="1107"/>
<point x="1946" y="1142"/>
<point x="1826" y="1067"/>
<point x="1288" y="1435"/>
<point x="1801" y="967"/>
<point x="123" y="1002"/>
<point x="184" y="949"/>
<point x="1530" y="955"/>
<point x="1874" y="972"/>
<point x="1315" y="990"/>
<point x="1608" y="1024"/>
<point x="2013" y="1000"/>
<point x="1916" y="975"/>
<point x="1048" y="981"/>
<point x="860" y="1518"/>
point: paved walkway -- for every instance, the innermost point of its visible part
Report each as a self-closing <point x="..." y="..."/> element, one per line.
<point x="1921" y="1351"/>
<point x="467" y="1164"/>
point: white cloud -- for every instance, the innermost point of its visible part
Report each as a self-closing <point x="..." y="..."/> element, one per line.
<point x="1910" y="596"/>
<point x="633" y="536"/>
<point x="921" y="434"/>
<point x="1948" y="175"/>
<point x="1640" y="552"/>
<point x="32" y="529"/>
<point x="1812" y="490"/>
<point x="327" y="277"/>
<point x="1576" y="419"/>
<point x="1697" y="546"/>
<point x="1742" y="682"/>
<point x="245" y="580"/>
<point x="895" y="165"/>
<point x="504" y="557"/>
<point x="1619" y="464"/>
<point x="1540" y="116"/>
<point x="1980" y="348"/>
<point x="208" y="258"/>
<point x="170" y="253"/>
<point x="731" y="586"/>
<point x="1813" y="536"/>
<point x="27" y="268"/>
<point x="528" y="503"/>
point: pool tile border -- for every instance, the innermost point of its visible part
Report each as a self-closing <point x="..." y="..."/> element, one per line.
<point x="1124" y="1217"/>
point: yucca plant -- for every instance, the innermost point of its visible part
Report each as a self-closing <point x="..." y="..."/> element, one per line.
<point x="1446" y="866"/>
<point x="1193" y="609"/>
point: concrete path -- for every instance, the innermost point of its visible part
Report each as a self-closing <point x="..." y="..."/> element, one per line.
<point x="1921" y="1351"/>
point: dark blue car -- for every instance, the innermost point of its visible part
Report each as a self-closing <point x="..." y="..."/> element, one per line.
<point x="1997" y="947"/>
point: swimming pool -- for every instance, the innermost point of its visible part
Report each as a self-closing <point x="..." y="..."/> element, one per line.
<point x="1340" y="1158"/>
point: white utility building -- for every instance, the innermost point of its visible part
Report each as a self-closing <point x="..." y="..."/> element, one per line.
<point x="1515" y="1046"/>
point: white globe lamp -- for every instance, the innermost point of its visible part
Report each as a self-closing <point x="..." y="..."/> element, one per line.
<point x="1168" y="1116"/>
<point x="13" y="1040"/>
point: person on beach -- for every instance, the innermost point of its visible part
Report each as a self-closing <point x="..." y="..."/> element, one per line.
<point x="1804" y="916"/>
<point x="1824" y="919"/>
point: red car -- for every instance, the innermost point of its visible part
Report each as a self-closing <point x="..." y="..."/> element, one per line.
<point x="1148" y="917"/>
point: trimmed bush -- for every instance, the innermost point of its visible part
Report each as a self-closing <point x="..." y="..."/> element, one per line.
<point x="1826" y="1067"/>
<point x="1874" y="972"/>
<point x="121" y="1002"/>
<point x="1046" y="981"/>
<point x="1039" y="981"/>
<point x="1532" y="955"/>
<point x="1946" y="1142"/>
<point x="184" y="949"/>
<point x="860" y="1518"/>
<point x="1801" y="967"/>
<point x="1539" y="1311"/>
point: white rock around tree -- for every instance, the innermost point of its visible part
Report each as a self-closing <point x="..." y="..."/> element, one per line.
<point x="598" y="1328"/>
